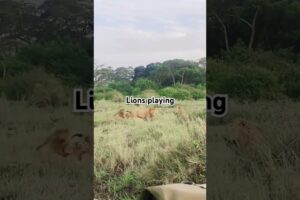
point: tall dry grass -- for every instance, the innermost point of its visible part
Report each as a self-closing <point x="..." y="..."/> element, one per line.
<point x="25" y="174"/>
<point x="132" y="154"/>
<point x="267" y="171"/>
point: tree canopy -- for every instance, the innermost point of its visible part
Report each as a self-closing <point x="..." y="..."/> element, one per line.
<point x="168" y="73"/>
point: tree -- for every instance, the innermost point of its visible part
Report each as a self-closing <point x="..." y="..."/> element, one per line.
<point x="123" y="74"/>
<point x="68" y="18"/>
<point x="103" y="75"/>
<point x="219" y="10"/>
<point x="139" y="72"/>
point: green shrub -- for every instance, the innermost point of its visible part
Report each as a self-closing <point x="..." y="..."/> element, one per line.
<point x="136" y="91"/>
<point x="177" y="93"/>
<point x="14" y="67"/>
<point x="67" y="59"/>
<point x="238" y="53"/>
<point x="100" y="91"/>
<point x="114" y="96"/>
<point x="250" y="82"/>
<point x="37" y="87"/>
<point x="98" y="96"/>
<point x="144" y="84"/>
<point x="148" y="93"/>
<point x="198" y="93"/>
<point x="122" y="86"/>
<point x="168" y="92"/>
<point x="291" y="82"/>
<point x="195" y="92"/>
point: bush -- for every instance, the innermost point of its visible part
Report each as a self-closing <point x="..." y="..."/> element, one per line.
<point x="238" y="53"/>
<point x="114" y="96"/>
<point x="144" y="84"/>
<point x="37" y="87"/>
<point x="136" y="91"/>
<point x="66" y="59"/>
<point x="122" y="86"/>
<point x="291" y="81"/>
<point x="100" y="91"/>
<point x="250" y="83"/>
<point x="177" y="93"/>
<point x="148" y="93"/>
<point x="15" y="67"/>
<point x="196" y="92"/>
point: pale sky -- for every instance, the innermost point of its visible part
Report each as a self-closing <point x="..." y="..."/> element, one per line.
<point x="138" y="32"/>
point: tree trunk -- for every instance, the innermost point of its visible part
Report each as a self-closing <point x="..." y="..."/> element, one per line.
<point x="182" y="78"/>
<point x="252" y="26"/>
<point x="253" y="30"/>
<point x="224" y="31"/>
<point x="172" y="76"/>
<point x="4" y="70"/>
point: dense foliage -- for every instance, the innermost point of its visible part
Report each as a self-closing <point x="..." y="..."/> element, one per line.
<point x="176" y="78"/>
<point x="253" y="48"/>
<point x="52" y="39"/>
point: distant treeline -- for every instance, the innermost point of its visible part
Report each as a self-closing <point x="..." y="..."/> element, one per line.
<point x="176" y="78"/>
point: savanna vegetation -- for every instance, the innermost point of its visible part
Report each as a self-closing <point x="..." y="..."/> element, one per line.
<point x="262" y="165"/>
<point x="132" y="154"/>
<point x="28" y="174"/>
<point x="252" y="49"/>
<point x="180" y="79"/>
<point x="253" y="56"/>
<point x="46" y="49"/>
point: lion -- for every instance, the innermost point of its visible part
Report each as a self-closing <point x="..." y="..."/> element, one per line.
<point x="181" y="114"/>
<point x="248" y="133"/>
<point x="144" y="114"/>
<point x="65" y="144"/>
<point x="122" y="114"/>
<point x="141" y="113"/>
<point x="79" y="145"/>
<point x="56" y="142"/>
<point x="247" y="138"/>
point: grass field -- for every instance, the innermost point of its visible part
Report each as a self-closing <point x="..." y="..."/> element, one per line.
<point x="26" y="174"/>
<point x="132" y="154"/>
<point x="265" y="168"/>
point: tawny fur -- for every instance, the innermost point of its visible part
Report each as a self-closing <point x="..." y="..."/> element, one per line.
<point x="248" y="135"/>
<point x="64" y="144"/>
<point x="142" y="113"/>
<point x="122" y="114"/>
<point x="181" y="114"/>
<point x="57" y="142"/>
<point x="79" y="145"/>
<point x="249" y="139"/>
